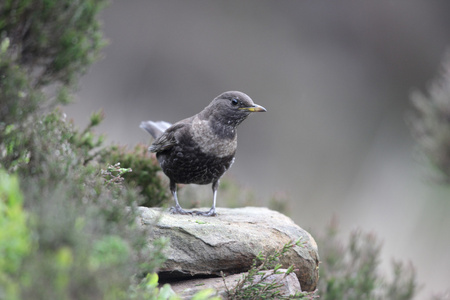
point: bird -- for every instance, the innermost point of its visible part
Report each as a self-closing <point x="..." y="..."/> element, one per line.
<point x="201" y="148"/>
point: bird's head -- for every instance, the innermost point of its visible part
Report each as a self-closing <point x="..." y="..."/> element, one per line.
<point x="231" y="108"/>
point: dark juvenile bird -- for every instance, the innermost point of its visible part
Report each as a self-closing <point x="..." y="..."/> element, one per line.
<point x="200" y="149"/>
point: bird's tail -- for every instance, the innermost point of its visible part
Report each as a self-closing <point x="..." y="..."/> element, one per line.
<point x="156" y="129"/>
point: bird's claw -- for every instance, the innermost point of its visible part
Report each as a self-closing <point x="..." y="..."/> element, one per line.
<point x="210" y="213"/>
<point x="177" y="210"/>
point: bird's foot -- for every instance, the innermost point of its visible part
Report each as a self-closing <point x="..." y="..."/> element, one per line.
<point x="210" y="213"/>
<point x="177" y="210"/>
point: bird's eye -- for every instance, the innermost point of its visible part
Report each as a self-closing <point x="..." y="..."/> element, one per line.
<point x="234" y="101"/>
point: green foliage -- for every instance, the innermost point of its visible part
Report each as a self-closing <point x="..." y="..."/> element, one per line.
<point x="41" y="147"/>
<point x="84" y="225"/>
<point x="350" y="272"/>
<point x="75" y="234"/>
<point x="109" y="250"/>
<point x="87" y="141"/>
<point x="54" y="40"/>
<point x="113" y="174"/>
<point x="15" y="239"/>
<point x="138" y="167"/>
<point x="18" y="98"/>
<point x="430" y="121"/>
<point x="145" y="173"/>
<point x="257" y="284"/>
<point x="43" y="44"/>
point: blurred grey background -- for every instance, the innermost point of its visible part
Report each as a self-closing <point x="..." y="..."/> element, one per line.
<point x="335" y="77"/>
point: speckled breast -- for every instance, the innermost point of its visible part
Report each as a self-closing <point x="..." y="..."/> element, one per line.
<point x="193" y="166"/>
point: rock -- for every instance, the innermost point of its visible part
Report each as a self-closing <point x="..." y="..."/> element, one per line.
<point x="205" y="246"/>
<point x="186" y="289"/>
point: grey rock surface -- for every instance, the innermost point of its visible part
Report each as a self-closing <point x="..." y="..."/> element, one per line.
<point x="205" y="246"/>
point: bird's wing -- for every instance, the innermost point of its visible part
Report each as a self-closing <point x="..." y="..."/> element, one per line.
<point x="167" y="140"/>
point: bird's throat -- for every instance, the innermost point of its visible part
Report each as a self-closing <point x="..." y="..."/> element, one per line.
<point x="223" y="131"/>
<point x="213" y="138"/>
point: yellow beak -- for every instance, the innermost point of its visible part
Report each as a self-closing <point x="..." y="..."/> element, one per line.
<point x="254" y="108"/>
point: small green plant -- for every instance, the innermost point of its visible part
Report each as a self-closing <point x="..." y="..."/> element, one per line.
<point x="113" y="174"/>
<point x="350" y="271"/>
<point x="256" y="284"/>
<point x="146" y="172"/>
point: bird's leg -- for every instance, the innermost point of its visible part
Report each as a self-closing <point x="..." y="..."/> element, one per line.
<point x="212" y="211"/>
<point x="177" y="208"/>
